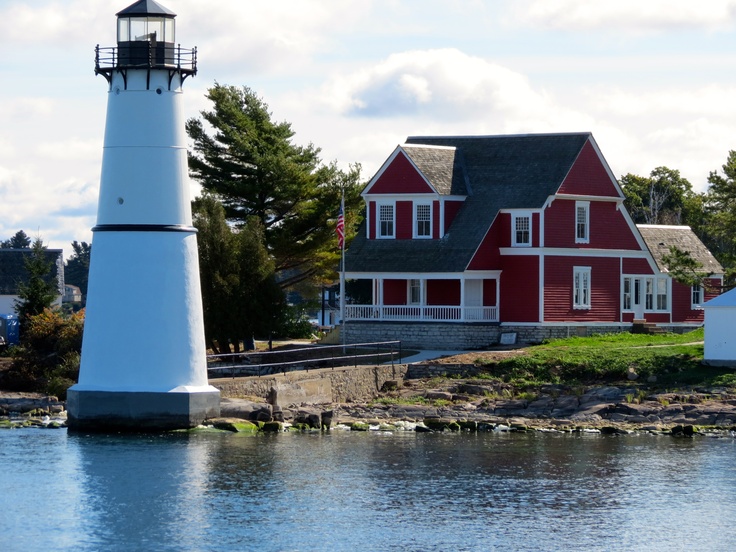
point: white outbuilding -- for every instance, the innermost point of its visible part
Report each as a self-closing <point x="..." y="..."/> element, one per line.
<point x="720" y="340"/>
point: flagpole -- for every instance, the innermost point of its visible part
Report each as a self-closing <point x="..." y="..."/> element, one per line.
<point x="342" y="273"/>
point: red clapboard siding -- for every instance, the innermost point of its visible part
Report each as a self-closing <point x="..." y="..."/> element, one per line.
<point x="608" y="227"/>
<point x="558" y="291"/>
<point x="400" y="177"/>
<point x="394" y="292"/>
<point x="443" y="292"/>
<point x="503" y="229"/>
<point x="372" y="217"/>
<point x="451" y="209"/>
<point x="713" y="288"/>
<point x="637" y="266"/>
<point x="519" y="285"/>
<point x="588" y="176"/>
<point x="404" y="216"/>
<point x="682" y="310"/>
<point x="488" y="256"/>
<point x="436" y="220"/>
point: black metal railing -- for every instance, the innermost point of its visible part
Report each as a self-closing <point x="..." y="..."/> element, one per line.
<point x="263" y="363"/>
<point x="153" y="55"/>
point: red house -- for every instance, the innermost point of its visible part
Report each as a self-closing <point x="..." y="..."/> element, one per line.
<point x="466" y="238"/>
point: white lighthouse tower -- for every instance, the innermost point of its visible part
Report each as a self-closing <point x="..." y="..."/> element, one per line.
<point x="143" y="355"/>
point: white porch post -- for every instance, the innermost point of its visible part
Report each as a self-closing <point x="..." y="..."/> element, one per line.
<point x="498" y="298"/>
<point x="462" y="298"/>
<point x="378" y="296"/>
<point x="423" y="297"/>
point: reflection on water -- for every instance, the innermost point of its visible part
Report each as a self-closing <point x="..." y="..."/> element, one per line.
<point x="348" y="491"/>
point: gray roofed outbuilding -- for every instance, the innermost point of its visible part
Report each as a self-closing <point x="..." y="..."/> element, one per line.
<point x="660" y="237"/>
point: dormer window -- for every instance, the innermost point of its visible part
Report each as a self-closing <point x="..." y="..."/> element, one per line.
<point x="521" y="229"/>
<point x="386" y="221"/>
<point x="423" y="220"/>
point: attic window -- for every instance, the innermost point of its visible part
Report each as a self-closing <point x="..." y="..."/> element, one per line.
<point x="521" y="229"/>
<point x="582" y="218"/>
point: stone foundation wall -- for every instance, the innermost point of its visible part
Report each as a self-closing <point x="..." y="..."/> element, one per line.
<point x="419" y="335"/>
<point x="320" y="386"/>
<point x="439" y="336"/>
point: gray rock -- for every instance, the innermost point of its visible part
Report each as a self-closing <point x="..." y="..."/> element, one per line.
<point x="434" y="395"/>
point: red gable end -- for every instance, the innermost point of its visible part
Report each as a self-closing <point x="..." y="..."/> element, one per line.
<point x="400" y="177"/>
<point x="588" y="176"/>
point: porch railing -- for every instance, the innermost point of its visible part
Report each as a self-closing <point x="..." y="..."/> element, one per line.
<point x="429" y="313"/>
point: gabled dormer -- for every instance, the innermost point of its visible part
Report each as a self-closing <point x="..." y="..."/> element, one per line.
<point x="415" y="194"/>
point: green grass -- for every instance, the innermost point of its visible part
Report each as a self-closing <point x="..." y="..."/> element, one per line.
<point x="675" y="359"/>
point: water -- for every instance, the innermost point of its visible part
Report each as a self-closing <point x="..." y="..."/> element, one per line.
<point x="365" y="491"/>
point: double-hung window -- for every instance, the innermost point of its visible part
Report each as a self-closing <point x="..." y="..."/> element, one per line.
<point x="521" y="229"/>
<point x="582" y="222"/>
<point x="581" y="287"/>
<point x="661" y="294"/>
<point x="385" y="221"/>
<point x="697" y="297"/>
<point x="423" y="218"/>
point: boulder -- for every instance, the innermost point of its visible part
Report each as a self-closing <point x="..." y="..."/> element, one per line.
<point x="309" y="417"/>
<point x="326" y="419"/>
<point x="435" y="395"/>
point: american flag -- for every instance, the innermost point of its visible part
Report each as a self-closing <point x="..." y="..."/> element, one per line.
<point x="340" y="229"/>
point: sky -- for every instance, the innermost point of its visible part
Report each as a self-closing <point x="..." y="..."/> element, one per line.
<point x="653" y="80"/>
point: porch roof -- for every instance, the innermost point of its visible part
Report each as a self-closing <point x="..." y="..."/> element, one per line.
<point x="503" y="172"/>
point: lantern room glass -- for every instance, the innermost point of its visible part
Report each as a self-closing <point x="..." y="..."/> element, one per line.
<point x="143" y="29"/>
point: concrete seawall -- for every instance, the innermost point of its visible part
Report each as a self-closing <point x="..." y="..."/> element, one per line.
<point x="321" y="386"/>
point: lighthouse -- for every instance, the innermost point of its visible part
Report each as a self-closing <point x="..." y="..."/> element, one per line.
<point x="143" y="361"/>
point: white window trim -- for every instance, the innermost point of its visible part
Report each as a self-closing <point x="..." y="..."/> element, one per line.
<point x="578" y="272"/>
<point x="514" y="217"/>
<point x="378" y="220"/>
<point x="585" y="205"/>
<point x="416" y="221"/>
<point x="699" y="304"/>
<point x="644" y="279"/>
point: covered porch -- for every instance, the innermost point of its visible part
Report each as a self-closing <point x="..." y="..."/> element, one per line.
<point x="466" y="297"/>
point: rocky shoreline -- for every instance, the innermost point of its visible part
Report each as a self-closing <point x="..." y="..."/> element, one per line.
<point x="465" y="405"/>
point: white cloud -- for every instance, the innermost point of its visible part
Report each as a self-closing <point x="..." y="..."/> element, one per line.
<point x="629" y="15"/>
<point x="448" y="89"/>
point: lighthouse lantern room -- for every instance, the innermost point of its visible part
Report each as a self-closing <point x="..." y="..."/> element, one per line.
<point x="143" y="361"/>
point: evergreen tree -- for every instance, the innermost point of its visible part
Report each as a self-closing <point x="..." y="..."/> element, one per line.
<point x="39" y="291"/>
<point x="719" y="234"/>
<point x="19" y="241"/>
<point x="76" y="269"/>
<point x="253" y="167"/>
<point x="240" y="295"/>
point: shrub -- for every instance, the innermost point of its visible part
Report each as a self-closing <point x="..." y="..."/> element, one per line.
<point x="48" y="359"/>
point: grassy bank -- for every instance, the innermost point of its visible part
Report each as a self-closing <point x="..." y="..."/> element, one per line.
<point x="666" y="360"/>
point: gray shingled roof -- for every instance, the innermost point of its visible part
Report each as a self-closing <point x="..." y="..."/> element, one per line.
<point x="659" y="238"/>
<point x="503" y="172"/>
<point x="442" y="166"/>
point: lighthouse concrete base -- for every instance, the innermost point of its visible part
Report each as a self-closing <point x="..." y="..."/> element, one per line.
<point x="91" y="410"/>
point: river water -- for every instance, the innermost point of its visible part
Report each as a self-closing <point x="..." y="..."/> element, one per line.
<point x="365" y="491"/>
